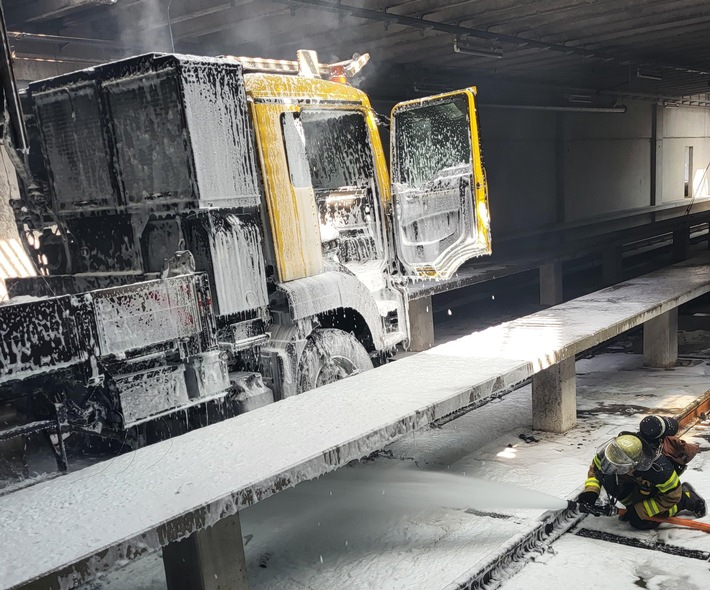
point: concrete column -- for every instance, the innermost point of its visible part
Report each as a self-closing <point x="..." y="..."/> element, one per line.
<point x="657" y="154"/>
<point x="612" y="265"/>
<point x="560" y="161"/>
<point x="12" y="452"/>
<point x="660" y="340"/>
<point x="551" y="283"/>
<point x="421" y="324"/>
<point x="554" y="397"/>
<point x="681" y="244"/>
<point x="210" y="559"/>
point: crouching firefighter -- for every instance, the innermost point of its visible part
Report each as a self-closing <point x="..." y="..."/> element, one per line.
<point x="642" y="478"/>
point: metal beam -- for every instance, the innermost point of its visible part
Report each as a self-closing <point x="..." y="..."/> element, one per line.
<point x="427" y="24"/>
<point x="8" y="92"/>
<point x="43" y="10"/>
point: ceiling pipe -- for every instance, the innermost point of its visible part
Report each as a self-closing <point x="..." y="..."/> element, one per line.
<point x="63" y="40"/>
<point x="426" y="24"/>
<point x="57" y="60"/>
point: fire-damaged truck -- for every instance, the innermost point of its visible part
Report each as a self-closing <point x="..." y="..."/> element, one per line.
<point x="222" y="232"/>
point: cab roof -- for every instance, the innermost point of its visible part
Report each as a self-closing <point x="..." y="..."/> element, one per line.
<point x="281" y="88"/>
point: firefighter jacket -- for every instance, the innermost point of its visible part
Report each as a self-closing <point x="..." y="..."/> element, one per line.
<point x="650" y="493"/>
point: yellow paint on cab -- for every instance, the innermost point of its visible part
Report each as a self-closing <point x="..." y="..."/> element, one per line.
<point x="293" y="215"/>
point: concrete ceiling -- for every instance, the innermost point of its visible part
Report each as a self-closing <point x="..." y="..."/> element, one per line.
<point x="540" y="50"/>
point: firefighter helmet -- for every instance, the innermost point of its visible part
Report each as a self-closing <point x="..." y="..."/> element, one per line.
<point x="624" y="454"/>
<point x="656" y="427"/>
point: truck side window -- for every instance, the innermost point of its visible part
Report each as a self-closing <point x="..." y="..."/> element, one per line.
<point x="295" y="144"/>
<point x="431" y="140"/>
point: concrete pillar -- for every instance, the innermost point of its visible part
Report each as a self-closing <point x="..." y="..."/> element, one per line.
<point x="210" y="559"/>
<point x="612" y="265"/>
<point x="421" y="324"/>
<point x="660" y="340"/>
<point x="554" y="397"/>
<point x="12" y="452"/>
<point x="551" y="283"/>
<point x="657" y="115"/>
<point x="681" y="244"/>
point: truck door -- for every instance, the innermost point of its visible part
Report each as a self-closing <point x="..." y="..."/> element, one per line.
<point x="440" y="198"/>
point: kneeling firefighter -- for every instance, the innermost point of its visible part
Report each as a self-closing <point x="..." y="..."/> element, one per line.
<point x="638" y="474"/>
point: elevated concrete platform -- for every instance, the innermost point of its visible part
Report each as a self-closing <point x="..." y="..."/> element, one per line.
<point x="419" y="514"/>
<point x="71" y="529"/>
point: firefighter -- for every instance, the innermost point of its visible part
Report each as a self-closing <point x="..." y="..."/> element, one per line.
<point x="642" y="478"/>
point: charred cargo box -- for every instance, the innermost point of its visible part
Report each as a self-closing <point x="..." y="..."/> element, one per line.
<point x="150" y="130"/>
<point x="43" y="335"/>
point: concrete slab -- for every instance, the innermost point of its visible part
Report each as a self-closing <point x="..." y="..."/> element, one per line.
<point x="163" y="493"/>
<point x="341" y="531"/>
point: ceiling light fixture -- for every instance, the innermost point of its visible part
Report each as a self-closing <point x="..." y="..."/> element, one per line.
<point x="646" y="75"/>
<point x="477" y="51"/>
<point x="580" y="98"/>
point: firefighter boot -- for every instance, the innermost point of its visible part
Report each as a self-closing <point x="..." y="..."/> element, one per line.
<point x="692" y="501"/>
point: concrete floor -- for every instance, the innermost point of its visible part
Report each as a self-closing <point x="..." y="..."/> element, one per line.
<point x="333" y="533"/>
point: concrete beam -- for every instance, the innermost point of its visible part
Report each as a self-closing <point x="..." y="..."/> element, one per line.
<point x="43" y="10"/>
<point x="554" y="397"/>
<point x="551" y="283"/>
<point x="210" y="559"/>
<point x="29" y="69"/>
<point x="660" y="340"/>
<point x="421" y="324"/>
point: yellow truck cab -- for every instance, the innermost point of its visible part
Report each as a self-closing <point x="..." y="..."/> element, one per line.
<point x="342" y="237"/>
<point x="224" y="230"/>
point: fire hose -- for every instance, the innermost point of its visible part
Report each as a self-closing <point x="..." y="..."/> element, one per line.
<point x="611" y="510"/>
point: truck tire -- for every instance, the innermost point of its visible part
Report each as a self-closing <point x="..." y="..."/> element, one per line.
<point x="330" y="355"/>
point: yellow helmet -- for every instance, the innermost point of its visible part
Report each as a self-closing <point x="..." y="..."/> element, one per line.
<point x="624" y="454"/>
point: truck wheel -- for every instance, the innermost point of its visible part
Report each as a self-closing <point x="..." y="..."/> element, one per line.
<point x="330" y="355"/>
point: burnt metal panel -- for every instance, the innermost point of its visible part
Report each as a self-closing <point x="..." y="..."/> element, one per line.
<point x="146" y="314"/>
<point x="182" y="131"/>
<point x="105" y="243"/>
<point x="152" y="147"/>
<point x="152" y="392"/>
<point x="69" y="116"/>
<point x="229" y="249"/>
<point x="49" y="286"/>
<point x="148" y="130"/>
<point x="42" y="335"/>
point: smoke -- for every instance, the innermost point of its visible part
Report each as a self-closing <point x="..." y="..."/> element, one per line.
<point x="144" y="27"/>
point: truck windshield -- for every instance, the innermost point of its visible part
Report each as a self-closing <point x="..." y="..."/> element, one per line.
<point x="432" y="141"/>
<point x="335" y="146"/>
<point x="338" y="149"/>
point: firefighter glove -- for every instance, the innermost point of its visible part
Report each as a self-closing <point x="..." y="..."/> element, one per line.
<point x="588" y="498"/>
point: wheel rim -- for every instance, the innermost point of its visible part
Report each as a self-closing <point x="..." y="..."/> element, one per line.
<point x="334" y="369"/>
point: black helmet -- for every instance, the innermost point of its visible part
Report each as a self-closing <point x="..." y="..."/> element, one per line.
<point x="654" y="428"/>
